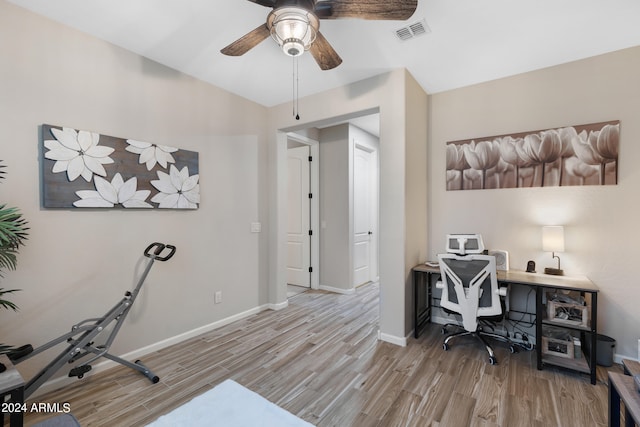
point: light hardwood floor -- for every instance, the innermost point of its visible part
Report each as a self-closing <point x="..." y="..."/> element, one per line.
<point x="320" y="359"/>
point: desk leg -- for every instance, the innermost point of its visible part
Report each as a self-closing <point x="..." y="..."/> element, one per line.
<point x="421" y="316"/>
<point x="614" y="406"/>
<point x="628" y="418"/>
<point x="539" y="314"/>
<point x="594" y="336"/>
<point x="416" y="277"/>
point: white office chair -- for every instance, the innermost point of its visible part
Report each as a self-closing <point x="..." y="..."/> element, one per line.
<point x="470" y="288"/>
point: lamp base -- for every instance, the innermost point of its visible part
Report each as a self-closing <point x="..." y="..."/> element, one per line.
<point x="553" y="271"/>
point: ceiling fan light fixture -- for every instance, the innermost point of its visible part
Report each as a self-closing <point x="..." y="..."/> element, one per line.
<point x="293" y="47"/>
<point x="293" y="28"/>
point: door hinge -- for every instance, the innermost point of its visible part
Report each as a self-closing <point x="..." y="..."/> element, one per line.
<point x="310" y="158"/>
<point x="310" y="269"/>
<point x="311" y="195"/>
<point x="310" y="232"/>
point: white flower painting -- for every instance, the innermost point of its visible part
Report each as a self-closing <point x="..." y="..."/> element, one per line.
<point x="77" y="153"/>
<point x="117" y="173"/>
<point x="150" y="154"/>
<point x="178" y="189"/>
<point x="117" y="192"/>
<point x="572" y="155"/>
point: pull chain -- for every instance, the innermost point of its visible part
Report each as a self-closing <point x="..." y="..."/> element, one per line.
<point x="295" y="88"/>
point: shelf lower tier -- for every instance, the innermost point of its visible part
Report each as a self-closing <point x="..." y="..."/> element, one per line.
<point x="580" y="365"/>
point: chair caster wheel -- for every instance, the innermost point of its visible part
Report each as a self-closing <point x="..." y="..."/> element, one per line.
<point x="445" y="346"/>
<point x="443" y="331"/>
<point x="513" y="349"/>
<point x="493" y="360"/>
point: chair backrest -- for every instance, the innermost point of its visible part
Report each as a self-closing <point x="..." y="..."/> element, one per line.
<point x="470" y="287"/>
<point x="463" y="244"/>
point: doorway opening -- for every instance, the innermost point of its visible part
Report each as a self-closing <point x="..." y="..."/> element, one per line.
<point x="344" y="235"/>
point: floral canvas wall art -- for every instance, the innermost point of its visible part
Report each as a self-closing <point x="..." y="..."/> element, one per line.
<point x="572" y="155"/>
<point x="82" y="169"/>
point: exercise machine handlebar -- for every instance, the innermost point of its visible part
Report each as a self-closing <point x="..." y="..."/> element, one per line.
<point x="159" y="248"/>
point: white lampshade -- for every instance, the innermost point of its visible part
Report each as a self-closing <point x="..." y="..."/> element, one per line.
<point x="293" y="28"/>
<point x="553" y="238"/>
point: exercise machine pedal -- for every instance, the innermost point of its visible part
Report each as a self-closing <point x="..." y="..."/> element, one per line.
<point x="19" y="352"/>
<point x="79" y="371"/>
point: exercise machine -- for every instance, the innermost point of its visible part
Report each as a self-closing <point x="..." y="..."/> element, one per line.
<point x="80" y="340"/>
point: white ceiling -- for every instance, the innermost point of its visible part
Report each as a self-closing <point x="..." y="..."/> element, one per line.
<point x="471" y="41"/>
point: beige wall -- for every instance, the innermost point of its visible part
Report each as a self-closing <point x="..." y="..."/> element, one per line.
<point x="416" y="184"/>
<point x="334" y="235"/>
<point x="601" y="222"/>
<point x="77" y="264"/>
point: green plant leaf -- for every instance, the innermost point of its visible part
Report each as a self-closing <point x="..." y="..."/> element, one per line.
<point x="13" y="228"/>
<point x="12" y="224"/>
<point x="13" y="233"/>
<point x="8" y="304"/>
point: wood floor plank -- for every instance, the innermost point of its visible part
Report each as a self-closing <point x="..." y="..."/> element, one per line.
<point x="459" y="411"/>
<point x="402" y="410"/>
<point x="320" y="359"/>
<point x="470" y="373"/>
<point x="545" y="408"/>
<point x="517" y="412"/>
<point x="435" y="401"/>
<point x="344" y="414"/>
<point x="384" y="394"/>
<point x="489" y="392"/>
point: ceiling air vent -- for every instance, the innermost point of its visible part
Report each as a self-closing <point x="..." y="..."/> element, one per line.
<point x="412" y="30"/>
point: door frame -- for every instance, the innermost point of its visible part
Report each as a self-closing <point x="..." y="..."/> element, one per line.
<point x="314" y="209"/>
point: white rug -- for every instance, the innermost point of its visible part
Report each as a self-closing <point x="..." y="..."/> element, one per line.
<point x="229" y="405"/>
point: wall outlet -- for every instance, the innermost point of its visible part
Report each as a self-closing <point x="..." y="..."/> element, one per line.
<point x="217" y="299"/>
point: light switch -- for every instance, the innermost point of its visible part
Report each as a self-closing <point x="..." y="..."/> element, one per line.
<point x="256" y="227"/>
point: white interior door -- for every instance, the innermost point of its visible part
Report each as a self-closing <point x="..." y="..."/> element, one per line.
<point x="298" y="239"/>
<point x="364" y="220"/>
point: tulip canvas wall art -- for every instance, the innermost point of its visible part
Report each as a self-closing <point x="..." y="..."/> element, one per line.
<point x="572" y="155"/>
<point x="82" y="169"/>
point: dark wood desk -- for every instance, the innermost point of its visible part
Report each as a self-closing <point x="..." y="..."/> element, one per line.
<point x="623" y="388"/>
<point x="422" y="281"/>
<point x="11" y="393"/>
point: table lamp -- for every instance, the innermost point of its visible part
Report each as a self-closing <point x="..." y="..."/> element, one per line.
<point x="553" y="241"/>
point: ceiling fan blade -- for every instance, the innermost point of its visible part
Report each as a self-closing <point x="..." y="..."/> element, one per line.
<point x="326" y="57"/>
<point x="393" y="10"/>
<point x="267" y="3"/>
<point x="247" y="42"/>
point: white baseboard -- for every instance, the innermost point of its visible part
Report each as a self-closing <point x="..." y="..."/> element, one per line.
<point x="277" y="307"/>
<point x="401" y="341"/>
<point x="337" y="290"/>
<point x="105" y="364"/>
